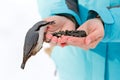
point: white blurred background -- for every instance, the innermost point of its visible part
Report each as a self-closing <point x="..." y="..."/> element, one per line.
<point x="16" y="17"/>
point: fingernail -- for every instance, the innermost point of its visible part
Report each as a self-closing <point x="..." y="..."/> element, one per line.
<point x="88" y="41"/>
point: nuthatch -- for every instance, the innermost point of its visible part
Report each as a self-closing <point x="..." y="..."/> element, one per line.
<point x="34" y="40"/>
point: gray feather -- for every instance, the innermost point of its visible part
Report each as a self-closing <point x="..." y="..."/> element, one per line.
<point x="30" y="42"/>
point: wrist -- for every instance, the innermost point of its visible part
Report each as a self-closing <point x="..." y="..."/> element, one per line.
<point x="99" y="19"/>
<point x="93" y="14"/>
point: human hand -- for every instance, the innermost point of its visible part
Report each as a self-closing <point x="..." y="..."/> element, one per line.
<point x="61" y="24"/>
<point x="95" y="32"/>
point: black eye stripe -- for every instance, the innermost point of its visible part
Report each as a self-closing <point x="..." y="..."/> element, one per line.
<point x="48" y="23"/>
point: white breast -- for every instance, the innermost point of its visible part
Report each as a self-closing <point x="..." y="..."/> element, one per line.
<point x="41" y="38"/>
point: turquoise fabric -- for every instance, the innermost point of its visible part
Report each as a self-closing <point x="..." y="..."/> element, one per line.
<point x="52" y="7"/>
<point x="101" y="63"/>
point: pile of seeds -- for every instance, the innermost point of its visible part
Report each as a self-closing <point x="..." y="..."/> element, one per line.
<point x="77" y="33"/>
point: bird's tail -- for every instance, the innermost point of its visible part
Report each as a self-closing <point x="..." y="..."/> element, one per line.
<point x="23" y="65"/>
<point x="24" y="62"/>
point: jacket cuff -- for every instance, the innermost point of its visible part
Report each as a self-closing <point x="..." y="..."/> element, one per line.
<point x="105" y="15"/>
<point x="107" y="19"/>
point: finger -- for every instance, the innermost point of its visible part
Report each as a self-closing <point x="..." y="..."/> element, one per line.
<point x="93" y="36"/>
<point x="93" y="44"/>
<point x="83" y="27"/>
<point x="75" y="41"/>
<point x="85" y="48"/>
<point x="54" y="40"/>
<point x="61" y="41"/>
<point x="48" y="37"/>
<point x="80" y="42"/>
<point x="64" y="39"/>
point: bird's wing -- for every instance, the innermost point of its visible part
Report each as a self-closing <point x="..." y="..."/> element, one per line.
<point x="30" y="42"/>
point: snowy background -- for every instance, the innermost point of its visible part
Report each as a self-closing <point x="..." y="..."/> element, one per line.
<point x="16" y="17"/>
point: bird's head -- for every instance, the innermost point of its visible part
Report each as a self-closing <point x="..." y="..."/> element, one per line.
<point x="40" y="24"/>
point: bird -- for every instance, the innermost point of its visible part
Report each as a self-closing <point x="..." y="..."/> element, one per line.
<point x="34" y="40"/>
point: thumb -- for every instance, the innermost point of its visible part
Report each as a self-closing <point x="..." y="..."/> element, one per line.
<point x="83" y="27"/>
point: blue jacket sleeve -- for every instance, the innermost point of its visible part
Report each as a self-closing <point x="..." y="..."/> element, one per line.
<point x="51" y="7"/>
<point x="111" y="19"/>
